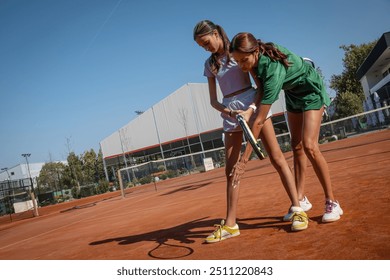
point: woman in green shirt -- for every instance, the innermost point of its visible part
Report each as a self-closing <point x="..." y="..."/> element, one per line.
<point x="278" y="68"/>
<point x="239" y="97"/>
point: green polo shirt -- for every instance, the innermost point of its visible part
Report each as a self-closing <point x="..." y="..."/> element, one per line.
<point x="303" y="86"/>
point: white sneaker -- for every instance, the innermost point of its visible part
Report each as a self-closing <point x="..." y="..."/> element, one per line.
<point x="333" y="211"/>
<point x="305" y="205"/>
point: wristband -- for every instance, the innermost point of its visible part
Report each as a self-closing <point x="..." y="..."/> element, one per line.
<point x="253" y="107"/>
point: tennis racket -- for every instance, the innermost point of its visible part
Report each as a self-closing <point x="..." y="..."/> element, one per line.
<point x="249" y="137"/>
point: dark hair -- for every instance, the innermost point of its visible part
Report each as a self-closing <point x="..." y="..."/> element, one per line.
<point x="246" y="43"/>
<point x="206" y="27"/>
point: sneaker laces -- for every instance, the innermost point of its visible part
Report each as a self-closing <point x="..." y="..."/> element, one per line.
<point x="219" y="228"/>
<point x="299" y="217"/>
<point x="329" y="205"/>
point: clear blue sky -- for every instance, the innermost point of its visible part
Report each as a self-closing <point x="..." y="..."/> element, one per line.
<point x="79" y="69"/>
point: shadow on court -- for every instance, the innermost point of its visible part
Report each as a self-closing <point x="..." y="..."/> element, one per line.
<point x="187" y="188"/>
<point x="174" y="242"/>
<point x="165" y="223"/>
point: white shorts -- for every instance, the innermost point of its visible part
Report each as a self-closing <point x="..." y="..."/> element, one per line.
<point x="238" y="102"/>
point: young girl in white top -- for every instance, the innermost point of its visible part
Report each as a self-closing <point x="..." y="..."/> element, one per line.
<point x="239" y="97"/>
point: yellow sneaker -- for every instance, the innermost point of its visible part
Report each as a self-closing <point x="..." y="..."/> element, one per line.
<point x="300" y="221"/>
<point x="222" y="232"/>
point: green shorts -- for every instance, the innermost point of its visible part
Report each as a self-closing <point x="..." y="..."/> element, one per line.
<point x="308" y="93"/>
<point x="299" y="104"/>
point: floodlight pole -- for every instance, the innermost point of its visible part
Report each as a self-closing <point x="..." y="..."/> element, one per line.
<point x="36" y="214"/>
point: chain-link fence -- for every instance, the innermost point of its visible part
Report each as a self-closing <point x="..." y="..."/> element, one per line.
<point x="15" y="196"/>
<point x="194" y="163"/>
<point x="171" y="167"/>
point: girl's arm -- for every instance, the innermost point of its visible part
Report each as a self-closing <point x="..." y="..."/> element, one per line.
<point x="258" y="124"/>
<point x="259" y="95"/>
<point x="259" y="88"/>
<point x="261" y="115"/>
<point x="239" y="167"/>
<point x="214" y="99"/>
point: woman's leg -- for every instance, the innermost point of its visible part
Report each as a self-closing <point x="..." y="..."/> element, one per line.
<point x="310" y="133"/>
<point x="298" y="217"/>
<point x="233" y="142"/>
<point x="295" y="121"/>
<point x="278" y="160"/>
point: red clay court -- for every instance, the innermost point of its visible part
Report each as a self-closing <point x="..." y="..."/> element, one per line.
<point x="171" y="220"/>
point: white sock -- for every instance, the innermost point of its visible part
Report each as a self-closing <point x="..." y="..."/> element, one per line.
<point x="296" y="209"/>
<point x="234" y="227"/>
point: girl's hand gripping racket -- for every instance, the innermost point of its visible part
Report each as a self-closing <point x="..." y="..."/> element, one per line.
<point x="249" y="137"/>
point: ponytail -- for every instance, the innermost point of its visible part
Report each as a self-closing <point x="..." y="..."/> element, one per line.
<point x="273" y="53"/>
<point x="206" y="27"/>
<point x="246" y="43"/>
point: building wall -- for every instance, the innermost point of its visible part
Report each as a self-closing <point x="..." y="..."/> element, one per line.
<point x="186" y="113"/>
<point x="21" y="171"/>
<point x="374" y="73"/>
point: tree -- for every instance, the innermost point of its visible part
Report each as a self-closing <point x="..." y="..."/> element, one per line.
<point x="92" y="168"/>
<point x="73" y="178"/>
<point x="100" y="167"/>
<point x="348" y="104"/>
<point x="347" y="82"/>
<point x="89" y="160"/>
<point x="81" y="170"/>
<point x="50" y="176"/>
<point x="75" y="169"/>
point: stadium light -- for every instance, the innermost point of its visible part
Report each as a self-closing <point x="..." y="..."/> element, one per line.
<point x="28" y="167"/>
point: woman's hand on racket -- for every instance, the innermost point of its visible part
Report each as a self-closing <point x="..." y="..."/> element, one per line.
<point x="237" y="172"/>
<point x="246" y="114"/>
<point x="234" y="113"/>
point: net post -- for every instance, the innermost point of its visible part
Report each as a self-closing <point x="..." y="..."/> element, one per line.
<point x="120" y="183"/>
<point x="34" y="202"/>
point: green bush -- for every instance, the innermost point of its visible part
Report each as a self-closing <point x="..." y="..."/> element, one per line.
<point x="75" y="192"/>
<point x="102" y="187"/>
<point x="172" y="173"/>
<point x="87" y="190"/>
<point x="146" y="180"/>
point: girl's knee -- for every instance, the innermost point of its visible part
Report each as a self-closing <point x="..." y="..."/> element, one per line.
<point x="311" y="148"/>
<point x="277" y="161"/>
<point x="297" y="148"/>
